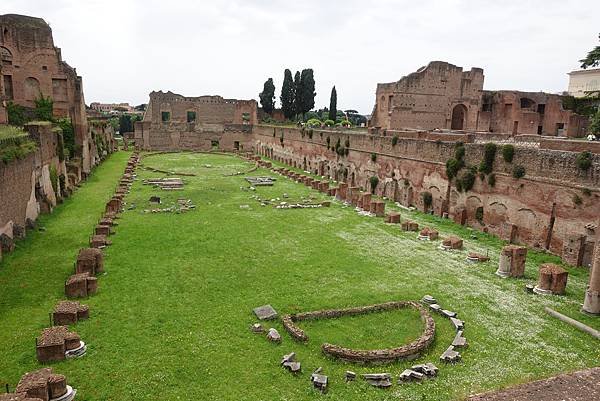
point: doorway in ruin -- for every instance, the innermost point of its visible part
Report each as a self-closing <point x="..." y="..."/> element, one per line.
<point x="459" y="115"/>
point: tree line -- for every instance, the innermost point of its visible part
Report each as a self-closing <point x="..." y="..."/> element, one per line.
<point x="297" y="93"/>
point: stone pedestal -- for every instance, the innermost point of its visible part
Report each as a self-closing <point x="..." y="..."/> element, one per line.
<point x="392" y="218"/>
<point x="378" y="208"/>
<point x="512" y="261"/>
<point x="410" y="225"/>
<point x="365" y="201"/>
<point x="342" y="191"/>
<point x="102" y="230"/>
<point x="90" y="260"/>
<point x="324" y="187"/>
<point x="353" y="194"/>
<point x="452" y="242"/>
<point x="552" y="280"/>
<point x="591" y="303"/>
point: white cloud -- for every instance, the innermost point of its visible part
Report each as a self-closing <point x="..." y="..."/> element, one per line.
<point x="126" y="48"/>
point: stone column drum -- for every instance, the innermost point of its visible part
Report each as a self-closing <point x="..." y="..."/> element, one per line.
<point x="591" y="303"/>
<point x="512" y="261"/>
<point x="552" y="280"/>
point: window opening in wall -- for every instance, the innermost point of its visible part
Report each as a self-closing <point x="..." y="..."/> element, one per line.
<point x="515" y="128"/>
<point x="540" y="129"/>
<point x="236" y="145"/>
<point x="541" y="108"/>
<point x="560" y="128"/>
<point x="165" y="116"/>
<point x="214" y="144"/>
<point x="191" y="116"/>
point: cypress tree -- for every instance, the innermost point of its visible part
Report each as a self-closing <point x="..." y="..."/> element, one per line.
<point x="308" y="90"/>
<point x="333" y="104"/>
<point x="288" y="97"/>
<point x="267" y="96"/>
<point x="298" y="105"/>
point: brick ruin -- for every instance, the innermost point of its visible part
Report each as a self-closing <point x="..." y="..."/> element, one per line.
<point x="31" y="65"/>
<point x="443" y="96"/>
<point x="41" y="385"/>
<point x="176" y="122"/>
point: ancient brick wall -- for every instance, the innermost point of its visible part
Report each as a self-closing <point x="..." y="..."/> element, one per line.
<point x="31" y="65"/>
<point x="554" y="201"/>
<point x="16" y="189"/>
<point x="175" y="122"/>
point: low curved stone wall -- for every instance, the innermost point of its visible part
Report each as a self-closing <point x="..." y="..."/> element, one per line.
<point x="367" y="356"/>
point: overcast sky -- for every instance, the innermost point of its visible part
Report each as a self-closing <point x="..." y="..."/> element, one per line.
<point x="126" y="48"/>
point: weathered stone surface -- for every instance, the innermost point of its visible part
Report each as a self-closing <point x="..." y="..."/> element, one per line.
<point x="273" y="335"/>
<point x="350" y="375"/>
<point x="447" y="313"/>
<point x="458" y="324"/>
<point x="81" y="285"/>
<point x="512" y="261"/>
<point x="54" y="342"/>
<point x="383" y="380"/>
<point x="69" y="312"/>
<point x="410" y="375"/>
<point x="428" y="299"/>
<point x="428" y="369"/>
<point x="410" y="225"/>
<point x="429" y="233"/>
<point x="450" y="355"/>
<point x="257" y="328"/>
<point x="392" y="218"/>
<point x="319" y="382"/>
<point x="90" y="260"/>
<point x="552" y="279"/>
<point x="265" y="312"/>
<point x="459" y="340"/>
<point x="452" y="242"/>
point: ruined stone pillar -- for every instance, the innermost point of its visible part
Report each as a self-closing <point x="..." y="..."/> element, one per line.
<point x="591" y="303"/>
<point x="552" y="280"/>
<point x="342" y="191"/>
<point x="512" y="261"/>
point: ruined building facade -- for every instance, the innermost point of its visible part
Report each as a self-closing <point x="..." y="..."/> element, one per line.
<point x="32" y="65"/>
<point x="176" y="122"/>
<point x="443" y="96"/>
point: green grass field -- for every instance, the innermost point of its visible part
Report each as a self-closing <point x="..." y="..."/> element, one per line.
<point x="172" y="315"/>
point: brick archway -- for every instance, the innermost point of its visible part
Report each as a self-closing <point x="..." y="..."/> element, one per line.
<point x="459" y="117"/>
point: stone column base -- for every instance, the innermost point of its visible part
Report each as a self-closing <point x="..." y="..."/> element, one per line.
<point x="502" y="273"/>
<point x="591" y="304"/>
<point x="541" y="291"/>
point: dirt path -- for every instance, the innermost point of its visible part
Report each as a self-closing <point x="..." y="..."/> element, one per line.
<point x="583" y="385"/>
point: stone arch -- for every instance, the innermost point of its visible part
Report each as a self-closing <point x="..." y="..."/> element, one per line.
<point x="473" y="204"/>
<point x="6" y="55"/>
<point x="32" y="89"/>
<point x="497" y="213"/>
<point x="526" y="218"/>
<point x="526" y="103"/>
<point x="459" y="117"/>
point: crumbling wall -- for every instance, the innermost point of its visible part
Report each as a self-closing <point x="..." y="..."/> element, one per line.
<point x="554" y="201"/>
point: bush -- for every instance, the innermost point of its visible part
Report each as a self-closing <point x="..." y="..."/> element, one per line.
<point x="43" y="108"/>
<point x="518" y="172"/>
<point x="584" y="160"/>
<point x="347" y="143"/>
<point x="489" y="154"/>
<point x="492" y="180"/>
<point x="466" y="180"/>
<point x="373" y="157"/>
<point x="16" y="114"/>
<point x="508" y="153"/>
<point x="459" y="151"/>
<point x="427" y="199"/>
<point x="329" y="123"/>
<point x="595" y="123"/>
<point x="340" y="151"/>
<point x="394" y="140"/>
<point x="68" y="133"/>
<point x="346" y="123"/>
<point x="577" y="200"/>
<point x="314" y="123"/>
<point x="374" y="180"/>
<point x="452" y="168"/>
<point x="587" y="191"/>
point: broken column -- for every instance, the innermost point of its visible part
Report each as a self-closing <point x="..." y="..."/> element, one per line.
<point x="90" y="260"/>
<point x="342" y="191"/>
<point x="55" y="343"/>
<point x="42" y="384"/>
<point x="81" y="285"/>
<point x="591" y="303"/>
<point x="364" y="202"/>
<point x="69" y="312"/>
<point x="512" y="261"/>
<point x="392" y="218"/>
<point x="552" y="280"/>
<point x="377" y="207"/>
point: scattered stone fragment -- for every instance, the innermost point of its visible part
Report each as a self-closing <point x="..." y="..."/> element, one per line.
<point x="383" y="380"/>
<point x="410" y="375"/>
<point x="273" y="335"/>
<point x="435" y="307"/>
<point x="428" y="369"/>
<point x="293" y="367"/>
<point x="529" y="288"/>
<point x="428" y="299"/>
<point x="257" y="328"/>
<point x="291" y="357"/>
<point x="350" y="375"/>
<point x="448" y="313"/>
<point x="319" y="382"/>
<point x="459" y="341"/>
<point x="458" y="324"/>
<point x="265" y="312"/>
<point x="450" y="355"/>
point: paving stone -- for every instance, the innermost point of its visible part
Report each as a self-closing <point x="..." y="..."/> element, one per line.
<point x="458" y="324"/>
<point x="265" y="312"/>
<point x="428" y="369"/>
<point x="428" y="299"/>
<point x="435" y="307"/>
<point x="350" y="375"/>
<point x="450" y="355"/>
<point x="378" y="379"/>
<point x="448" y="313"/>
<point x="291" y="357"/>
<point x="293" y="367"/>
<point x="410" y="375"/>
<point x="319" y="382"/>
<point x="459" y="341"/>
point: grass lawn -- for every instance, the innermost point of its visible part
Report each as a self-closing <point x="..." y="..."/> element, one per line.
<point x="172" y="315"/>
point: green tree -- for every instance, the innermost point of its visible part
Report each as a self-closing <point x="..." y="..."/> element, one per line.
<point x="68" y="134"/>
<point x="125" y="124"/>
<point x="595" y="123"/>
<point x="288" y="95"/>
<point x="307" y="92"/>
<point x="298" y="107"/>
<point x="592" y="59"/>
<point x="333" y="104"/>
<point x="267" y="96"/>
